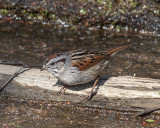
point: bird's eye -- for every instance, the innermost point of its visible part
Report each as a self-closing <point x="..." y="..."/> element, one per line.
<point x="52" y="63"/>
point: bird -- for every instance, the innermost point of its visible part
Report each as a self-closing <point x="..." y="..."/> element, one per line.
<point x="78" y="67"/>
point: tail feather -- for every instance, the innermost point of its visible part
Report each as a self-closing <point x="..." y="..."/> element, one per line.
<point x="113" y="51"/>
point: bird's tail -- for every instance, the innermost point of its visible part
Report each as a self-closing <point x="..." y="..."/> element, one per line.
<point x="113" y="51"/>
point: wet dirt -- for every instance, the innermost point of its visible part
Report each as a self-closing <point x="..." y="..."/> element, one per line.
<point x="15" y="112"/>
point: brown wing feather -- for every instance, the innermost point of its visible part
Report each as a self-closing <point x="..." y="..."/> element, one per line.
<point x="86" y="59"/>
<point x="85" y="62"/>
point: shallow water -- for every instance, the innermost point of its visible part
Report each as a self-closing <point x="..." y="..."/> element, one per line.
<point x="30" y="44"/>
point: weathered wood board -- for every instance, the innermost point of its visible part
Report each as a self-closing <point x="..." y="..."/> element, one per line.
<point x="115" y="92"/>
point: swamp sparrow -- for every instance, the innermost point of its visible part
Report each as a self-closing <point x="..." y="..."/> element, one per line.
<point x="79" y="67"/>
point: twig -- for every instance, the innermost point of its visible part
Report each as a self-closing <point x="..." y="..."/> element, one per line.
<point x="25" y="67"/>
<point x="147" y="112"/>
<point x="12" y="77"/>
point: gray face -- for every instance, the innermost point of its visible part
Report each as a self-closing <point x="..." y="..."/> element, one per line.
<point x="55" y="65"/>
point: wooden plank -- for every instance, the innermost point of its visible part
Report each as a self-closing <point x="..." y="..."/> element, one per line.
<point x="121" y="91"/>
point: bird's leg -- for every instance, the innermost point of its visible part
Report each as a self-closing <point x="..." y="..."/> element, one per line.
<point x="91" y="92"/>
<point x="63" y="88"/>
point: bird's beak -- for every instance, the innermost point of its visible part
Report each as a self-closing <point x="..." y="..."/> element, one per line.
<point x="43" y="67"/>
